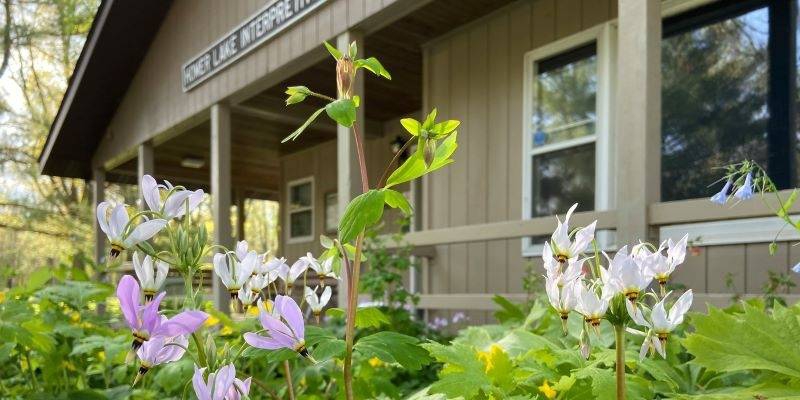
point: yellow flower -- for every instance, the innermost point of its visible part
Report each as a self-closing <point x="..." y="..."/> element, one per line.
<point x="488" y="357"/>
<point x="252" y="312"/>
<point x="2" y="296"/>
<point x="75" y="316"/>
<point x="375" y="362"/>
<point x="211" y="321"/>
<point x="547" y="391"/>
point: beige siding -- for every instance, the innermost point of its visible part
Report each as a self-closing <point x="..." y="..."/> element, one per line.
<point x="154" y="107"/>
<point x="475" y="75"/>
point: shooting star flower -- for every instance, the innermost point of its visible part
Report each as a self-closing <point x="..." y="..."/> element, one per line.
<point x="592" y="308"/>
<point x="565" y="248"/>
<point x="295" y="271"/>
<point x="323" y="269"/>
<point x="661" y="323"/>
<point x="316" y="304"/>
<point x="285" y="327"/>
<point x="159" y="350"/>
<point x="150" y="276"/>
<point x="562" y="298"/>
<point x="232" y="273"/>
<point x="220" y="385"/>
<point x="177" y="200"/>
<point x="122" y="234"/>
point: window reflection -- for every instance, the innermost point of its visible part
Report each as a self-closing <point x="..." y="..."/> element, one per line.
<point x="562" y="178"/>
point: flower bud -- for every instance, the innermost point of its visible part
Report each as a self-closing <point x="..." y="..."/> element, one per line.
<point x="345" y="75"/>
<point x="429" y="151"/>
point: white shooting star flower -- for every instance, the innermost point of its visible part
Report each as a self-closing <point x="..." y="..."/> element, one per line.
<point x="631" y="278"/>
<point x="565" y="248"/>
<point x="174" y="206"/>
<point x="315" y="303"/>
<point x="295" y="271"/>
<point x="563" y="298"/>
<point x="661" y="323"/>
<point x="151" y="277"/>
<point x="592" y="308"/>
<point x="324" y="270"/>
<point x="660" y="266"/>
<point x="120" y="232"/>
<point x="232" y="273"/>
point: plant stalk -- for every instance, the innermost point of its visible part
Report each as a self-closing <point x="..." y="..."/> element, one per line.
<point x="287" y="372"/>
<point x="353" y="277"/>
<point x="619" y="331"/>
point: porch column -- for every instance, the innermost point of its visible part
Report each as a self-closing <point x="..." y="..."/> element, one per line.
<point x="145" y="165"/>
<point x="98" y="196"/>
<point x="349" y="177"/>
<point x="240" y="215"/>
<point x="221" y="191"/>
<point x="638" y="108"/>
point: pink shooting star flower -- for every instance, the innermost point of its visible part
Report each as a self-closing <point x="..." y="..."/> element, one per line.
<point x="220" y="385"/>
<point x="285" y="327"/>
<point x="146" y="322"/>
<point x="160" y="350"/>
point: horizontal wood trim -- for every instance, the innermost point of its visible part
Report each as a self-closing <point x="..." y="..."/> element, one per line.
<point x="703" y="210"/>
<point x="483" y="301"/>
<point x="506" y="229"/>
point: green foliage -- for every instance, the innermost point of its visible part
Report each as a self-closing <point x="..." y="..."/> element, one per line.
<point x="342" y="111"/>
<point x="333" y="50"/>
<point x="364" y="211"/>
<point x="373" y="65"/>
<point x="393" y="347"/>
<point x="366" y="317"/>
<point x="416" y="165"/>
<point x="750" y="340"/>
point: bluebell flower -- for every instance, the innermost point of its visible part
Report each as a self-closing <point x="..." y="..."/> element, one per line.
<point x="722" y="196"/>
<point x="796" y="268"/>
<point x="746" y="191"/>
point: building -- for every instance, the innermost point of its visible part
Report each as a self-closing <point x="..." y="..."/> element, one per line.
<point x="621" y="105"/>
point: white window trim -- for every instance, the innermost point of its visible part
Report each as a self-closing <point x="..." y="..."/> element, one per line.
<point x="289" y="185"/>
<point x="605" y="36"/>
<point x="735" y="231"/>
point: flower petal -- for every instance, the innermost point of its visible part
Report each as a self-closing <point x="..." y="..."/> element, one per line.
<point x="145" y="231"/>
<point x="128" y="295"/>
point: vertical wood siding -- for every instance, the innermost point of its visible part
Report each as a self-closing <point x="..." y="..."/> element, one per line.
<point x="155" y="106"/>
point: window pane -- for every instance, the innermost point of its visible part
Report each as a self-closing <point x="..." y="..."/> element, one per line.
<point x="300" y="195"/>
<point x="562" y="178"/>
<point x="331" y="212"/>
<point x="566" y="89"/>
<point x="300" y="224"/>
<point x="714" y="102"/>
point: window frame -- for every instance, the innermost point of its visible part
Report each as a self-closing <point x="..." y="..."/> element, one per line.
<point x="289" y="185"/>
<point x="604" y="36"/>
<point x="335" y="195"/>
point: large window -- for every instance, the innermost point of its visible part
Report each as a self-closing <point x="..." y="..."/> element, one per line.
<point x="725" y="94"/>
<point x="566" y="93"/>
<point x="301" y="210"/>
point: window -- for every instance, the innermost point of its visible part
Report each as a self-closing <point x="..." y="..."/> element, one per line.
<point x="331" y="212"/>
<point x="725" y="95"/>
<point x="566" y="156"/>
<point x="301" y="210"/>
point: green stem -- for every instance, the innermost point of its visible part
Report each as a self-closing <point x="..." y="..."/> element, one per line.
<point x="619" y="331"/>
<point x="287" y="372"/>
<point x="201" y="351"/>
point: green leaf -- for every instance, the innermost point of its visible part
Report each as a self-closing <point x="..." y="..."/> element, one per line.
<point x="362" y="212"/>
<point x="412" y="126"/>
<point x="751" y="340"/>
<point x="787" y="205"/>
<point x="296" y="94"/>
<point x="373" y="65"/>
<point x="393" y="347"/>
<point x="429" y="120"/>
<point x="323" y="344"/>
<point x="396" y="199"/>
<point x="38" y="279"/>
<point x="443" y="128"/>
<point x="411" y="169"/>
<point x="333" y="50"/>
<point x="463" y="374"/>
<point x="367" y="317"/>
<point x="443" y="153"/>
<point x="343" y="111"/>
<point x="325" y="242"/>
<point x="303" y="127"/>
<point x="508" y="312"/>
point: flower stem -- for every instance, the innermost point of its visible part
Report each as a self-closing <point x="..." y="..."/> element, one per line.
<point x="619" y="331"/>
<point x="353" y="276"/>
<point x="287" y="372"/>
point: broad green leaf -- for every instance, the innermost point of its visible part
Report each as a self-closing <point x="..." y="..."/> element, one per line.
<point x="787" y="205"/>
<point x="520" y="341"/>
<point x="5" y="350"/>
<point x="463" y="374"/>
<point x="325" y="242"/>
<point x="367" y="317"/>
<point x="86" y="394"/>
<point x="396" y="199"/>
<point x="443" y="128"/>
<point x="751" y="340"/>
<point x="393" y="347"/>
<point x="443" y="153"/>
<point x="343" y="111"/>
<point x="411" y="125"/>
<point x="38" y="279"/>
<point x="508" y="312"/>
<point x="411" y="169"/>
<point x="364" y="211"/>
<point x="296" y="94"/>
<point x="333" y="50"/>
<point x="353" y="50"/>
<point x="323" y="344"/>
<point x="373" y="65"/>
<point x="765" y="391"/>
<point x="303" y="127"/>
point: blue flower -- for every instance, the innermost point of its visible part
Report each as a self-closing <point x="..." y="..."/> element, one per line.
<point x="746" y="191"/>
<point x="722" y="196"/>
<point x="796" y="268"/>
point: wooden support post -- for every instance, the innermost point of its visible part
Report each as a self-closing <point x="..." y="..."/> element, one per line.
<point x="221" y="191"/>
<point x="99" y="195"/>
<point x="145" y="166"/>
<point x="638" y="141"/>
<point x="349" y="177"/>
<point x="240" y="215"/>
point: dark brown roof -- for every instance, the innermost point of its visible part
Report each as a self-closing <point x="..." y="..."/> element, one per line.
<point x="117" y="42"/>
